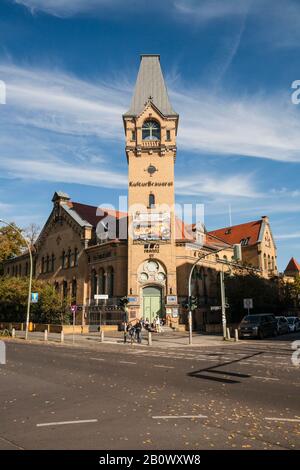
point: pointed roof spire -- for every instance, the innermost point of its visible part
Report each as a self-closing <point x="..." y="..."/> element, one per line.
<point x="293" y="266"/>
<point x="150" y="86"/>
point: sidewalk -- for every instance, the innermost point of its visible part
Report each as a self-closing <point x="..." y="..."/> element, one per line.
<point x="160" y="340"/>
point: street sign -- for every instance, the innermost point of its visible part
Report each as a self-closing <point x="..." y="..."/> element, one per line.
<point x="100" y="296"/>
<point x="248" y="303"/>
<point x="34" y="297"/>
<point x="73" y="308"/>
<point x="213" y="309"/>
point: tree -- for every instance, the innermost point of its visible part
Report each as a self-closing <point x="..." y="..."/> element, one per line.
<point x="11" y="243"/>
<point x="32" y="232"/>
<point x="13" y="301"/>
<point x="264" y="292"/>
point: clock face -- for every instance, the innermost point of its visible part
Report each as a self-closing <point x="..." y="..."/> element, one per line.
<point x="161" y="277"/>
<point x="152" y="266"/>
<point x="143" y="277"/>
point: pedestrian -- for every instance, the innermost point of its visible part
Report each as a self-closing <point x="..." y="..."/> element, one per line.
<point x="138" y="329"/>
<point x="146" y="324"/>
<point x="157" y="324"/>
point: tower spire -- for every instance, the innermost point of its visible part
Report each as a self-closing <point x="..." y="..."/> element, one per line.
<point x="150" y="86"/>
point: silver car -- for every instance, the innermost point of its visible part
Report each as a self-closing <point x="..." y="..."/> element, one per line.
<point x="294" y="324"/>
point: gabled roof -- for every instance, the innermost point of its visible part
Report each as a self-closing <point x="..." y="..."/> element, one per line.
<point x="88" y="213"/>
<point x="150" y="86"/>
<point x="293" y="266"/>
<point x="237" y="233"/>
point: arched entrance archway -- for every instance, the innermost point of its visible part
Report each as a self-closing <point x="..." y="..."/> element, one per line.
<point x="152" y="302"/>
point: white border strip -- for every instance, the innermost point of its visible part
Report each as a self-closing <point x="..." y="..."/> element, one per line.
<point x="60" y="423"/>
<point x="180" y="417"/>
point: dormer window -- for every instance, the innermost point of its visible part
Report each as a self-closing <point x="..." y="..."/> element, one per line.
<point x="245" y="241"/>
<point x="151" y="130"/>
<point x="168" y="135"/>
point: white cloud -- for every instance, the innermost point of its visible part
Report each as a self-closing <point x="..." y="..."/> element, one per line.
<point x="64" y="7"/>
<point x="237" y="185"/>
<point x="58" y="171"/>
<point x="209" y="10"/>
<point x="265" y="126"/>
<point x="288" y="236"/>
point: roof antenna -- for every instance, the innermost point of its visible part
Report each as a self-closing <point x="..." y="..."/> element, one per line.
<point x="230" y="217"/>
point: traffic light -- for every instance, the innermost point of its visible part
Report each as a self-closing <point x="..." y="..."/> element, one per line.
<point x="193" y="302"/>
<point x="185" y="303"/>
<point x="123" y="301"/>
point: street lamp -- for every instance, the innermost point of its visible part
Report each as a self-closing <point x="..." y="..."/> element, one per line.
<point x="30" y="273"/>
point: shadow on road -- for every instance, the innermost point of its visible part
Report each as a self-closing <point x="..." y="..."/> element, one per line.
<point x="202" y="373"/>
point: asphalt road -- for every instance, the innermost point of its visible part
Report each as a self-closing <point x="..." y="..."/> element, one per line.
<point x="242" y="395"/>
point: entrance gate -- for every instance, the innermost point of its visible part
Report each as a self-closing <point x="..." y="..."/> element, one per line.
<point x="152" y="302"/>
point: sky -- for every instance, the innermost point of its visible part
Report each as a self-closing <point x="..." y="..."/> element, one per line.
<point x="69" y="68"/>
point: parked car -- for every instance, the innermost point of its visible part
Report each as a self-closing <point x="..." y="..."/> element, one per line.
<point x="282" y="325"/>
<point x="294" y="324"/>
<point x="258" y="326"/>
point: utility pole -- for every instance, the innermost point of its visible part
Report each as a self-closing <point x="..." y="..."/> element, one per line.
<point x="223" y="302"/>
<point x="30" y="273"/>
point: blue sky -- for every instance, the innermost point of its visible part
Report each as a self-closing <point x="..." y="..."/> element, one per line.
<point x="70" y="67"/>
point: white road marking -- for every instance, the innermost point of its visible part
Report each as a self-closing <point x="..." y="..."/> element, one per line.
<point x="97" y="359"/>
<point x="291" y="420"/>
<point x="180" y="417"/>
<point x="165" y="367"/>
<point x="59" y="423"/>
<point x="264" y="378"/>
<point x="127" y="362"/>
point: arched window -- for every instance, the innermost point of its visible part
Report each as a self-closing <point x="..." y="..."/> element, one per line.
<point x="269" y="262"/>
<point x="47" y="264"/>
<point x="101" y="281"/>
<point x="225" y="258"/>
<point x="76" y="257"/>
<point x="65" y="289"/>
<point x="151" y="200"/>
<point x="26" y="269"/>
<point x="151" y="130"/>
<point x="63" y="259"/>
<point x="273" y="263"/>
<point x="111" y="282"/>
<point x="69" y="259"/>
<point x="74" y="290"/>
<point x="52" y="262"/>
<point x="43" y="265"/>
<point x="265" y="261"/>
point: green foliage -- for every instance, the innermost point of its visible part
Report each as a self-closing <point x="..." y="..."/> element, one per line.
<point x="11" y="243"/>
<point x="290" y="293"/>
<point x="264" y="292"/>
<point x="13" y="302"/>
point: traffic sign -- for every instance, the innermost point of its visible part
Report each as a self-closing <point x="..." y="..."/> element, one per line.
<point x="73" y="308"/>
<point x="215" y="308"/>
<point x="34" y="297"/>
<point x="248" y="303"/>
<point x="100" y="296"/>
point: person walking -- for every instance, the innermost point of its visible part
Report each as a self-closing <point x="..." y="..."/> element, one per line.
<point x="138" y="329"/>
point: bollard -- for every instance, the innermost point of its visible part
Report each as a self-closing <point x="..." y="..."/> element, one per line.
<point x="46" y="335"/>
<point x="236" y="335"/>
<point x="101" y="336"/>
<point x="228" y="333"/>
<point x="62" y="336"/>
<point x="13" y="333"/>
<point x="149" y="338"/>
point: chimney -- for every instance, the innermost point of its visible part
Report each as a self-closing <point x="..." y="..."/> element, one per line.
<point x="265" y="219"/>
<point x="60" y="198"/>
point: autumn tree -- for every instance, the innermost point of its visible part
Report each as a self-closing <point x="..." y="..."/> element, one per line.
<point x="11" y="243"/>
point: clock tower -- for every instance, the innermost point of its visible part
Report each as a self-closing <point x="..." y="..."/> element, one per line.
<point x="150" y="130"/>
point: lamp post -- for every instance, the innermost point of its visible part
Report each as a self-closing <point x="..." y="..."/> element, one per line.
<point x="30" y="273"/>
<point x="237" y="254"/>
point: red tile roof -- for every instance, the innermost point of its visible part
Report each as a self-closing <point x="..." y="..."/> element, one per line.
<point x="293" y="266"/>
<point x="236" y="233"/>
<point x="89" y="213"/>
